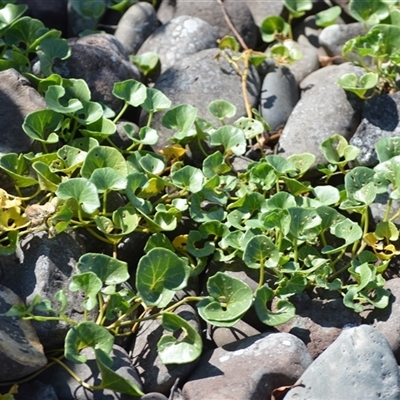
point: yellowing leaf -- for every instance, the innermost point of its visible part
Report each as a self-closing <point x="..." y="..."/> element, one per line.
<point x="174" y="152"/>
<point x="154" y="187"/>
<point x="180" y="242"/>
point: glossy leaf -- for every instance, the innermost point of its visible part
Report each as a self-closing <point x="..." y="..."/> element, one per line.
<point x="174" y="350"/>
<point x="16" y="167"/>
<point x="51" y="49"/>
<point x="41" y="125"/>
<point x="360" y="86"/>
<point x="54" y="98"/>
<point x="106" y="179"/>
<point x="147" y="62"/>
<point x="387" y="148"/>
<point x="189" y="178"/>
<point x="86" y="334"/>
<point x="370" y="12"/>
<point x="82" y="190"/>
<point x="155" y="101"/>
<point x="231" y="138"/>
<point x="222" y="109"/>
<point x="305" y="223"/>
<point x="272" y="27"/>
<point x="181" y="119"/>
<point x="298" y="8"/>
<point x="327" y="17"/>
<point x="90" y="284"/>
<point x="131" y="91"/>
<point x="10" y="13"/>
<point x="258" y="250"/>
<point x="48" y="180"/>
<point x="337" y="151"/>
<point x="159" y="275"/>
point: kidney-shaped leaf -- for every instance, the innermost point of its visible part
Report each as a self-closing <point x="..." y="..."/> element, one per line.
<point x="182" y="350"/>
<point x="189" y="178"/>
<point x="132" y="91"/>
<point x="90" y="284"/>
<point x="229" y="299"/>
<point x="41" y="125"/>
<point x="258" y="249"/>
<point x="231" y="138"/>
<point x="108" y="179"/>
<point x="83" y="191"/>
<point x="159" y="275"/>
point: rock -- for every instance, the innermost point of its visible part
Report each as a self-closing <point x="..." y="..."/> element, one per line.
<point x="178" y="38"/>
<point x="35" y="390"/>
<point x="43" y="266"/>
<point x="318" y="322"/>
<point x="21" y="353"/>
<point x="211" y="12"/>
<point x="222" y="335"/>
<point x="17" y="98"/>
<point x="380" y="120"/>
<point x="199" y="79"/>
<point x="323" y="110"/>
<point x="156" y="376"/>
<point x="154" y="396"/>
<point x="248" y="369"/>
<point x="307" y="34"/>
<point x="136" y="25"/>
<point x="101" y="60"/>
<point x="379" y="206"/>
<point x="263" y="9"/>
<point x="359" y="365"/>
<point x="279" y="95"/>
<point x="333" y="37"/>
<point x="308" y="63"/>
<point x="68" y="388"/>
<point x="387" y="321"/>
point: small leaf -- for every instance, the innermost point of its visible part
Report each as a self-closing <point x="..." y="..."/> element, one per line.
<point x="327" y="17"/>
<point x="297" y="8"/>
<point x="90" y="284"/>
<point x="215" y="164"/>
<point x="189" y="178"/>
<point x="131" y="91"/>
<point x="228" y="42"/>
<point x="107" y="179"/>
<point x="272" y="27"/>
<point x="387" y="148"/>
<point x="182" y="350"/>
<point x="180" y="119"/>
<point x="41" y="125"/>
<point x="285" y="310"/>
<point x="86" y="334"/>
<point x="258" y="249"/>
<point x="222" y="109"/>
<point x="231" y="138"/>
<point x="155" y="101"/>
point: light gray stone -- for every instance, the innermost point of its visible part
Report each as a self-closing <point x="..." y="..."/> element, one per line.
<point x="178" y="38"/>
<point x="136" y="25"/>
<point x="359" y="365"/>
<point x="309" y="62"/>
<point x="324" y="109"/>
<point x="248" y="369"/>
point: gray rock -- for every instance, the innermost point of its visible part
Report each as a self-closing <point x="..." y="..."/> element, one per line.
<point x="379" y="206"/>
<point x="211" y="12"/>
<point x="323" y="110"/>
<point x="17" y="98"/>
<point x="380" y="120"/>
<point x="178" y="38"/>
<point x="101" y="60"/>
<point x="154" y="396"/>
<point x="279" y="95"/>
<point x="308" y="63"/>
<point x="333" y="37"/>
<point x="307" y="33"/>
<point x="359" y="365"/>
<point x="263" y="9"/>
<point x="68" y="388"/>
<point x="43" y="266"/>
<point x="248" y="369"/>
<point x="387" y="321"/>
<point x="156" y="376"/>
<point x="35" y="390"/>
<point x="199" y="79"/>
<point x="222" y="335"/>
<point x="136" y="25"/>
<point x="21" y="353"/>
<point x="318" y="322"/>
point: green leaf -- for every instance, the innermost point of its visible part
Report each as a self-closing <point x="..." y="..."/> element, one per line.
<point x="159" y="275"/>
<point x="86" y="334"/>
<point x="281" y="165"/>
<point x="111" y="380"/>
<point x="359" y="185"/>
<point x="107" y="179"/>
<point x="305" y="223"/>
<point x="386" y="230"/>
<point x="10" y="13"/>
<point x="215" y="164"/>
<point x="387" y="148"/>
<point x="147" y="136"/>
<point x="56" y="101"/>
<point x="228" y="42"/>
<point x="109" y="270"/>
<point x="285" y="310"/>
<point x="327" y="194"/>
<point x="48" y="180"/>
<point x="155" y="101"/>
<point x="83" y="191"/>
<point x="181" y="119"/>
<point x="15" y="166"/>
<point x="50" y="50"/>
<point x="337" y="151"/>
<point x="297" y="8"/>
<point x="13" y="240"/>
<point x="327" y="17"/>
<point x="131" y="91"/>
<point x="360" y="86"/>
<point x="137" y="181"/>
<point x="258" y="250"/>
<point x="273" y="27"/>
<point x="251" y="127"/>
<point x="146" y="62"/>
<point x="193" y="238"/>
<point x="90" y="284"/>
<point x="61" y="297"/>
<point x="188" y="178"/>
<point x="347" y="230"/>
<point x="222" y="109"/>
<point x="182" y="350"/>
<point x="41" y="125"/>
<point x="348" y="299"/>
<point x="152" y="164"/>
<point x="369" y="12"/>
<point x="329" y="217"/>
<point x="158" y="240"/>
<point x="231" y="138"/>
<point x="303" y="162"/>
<point x="70" y="158"/>
<point x="89" y="8"/>
<point x="229" y="299"/>
<point x="101" y="157"/>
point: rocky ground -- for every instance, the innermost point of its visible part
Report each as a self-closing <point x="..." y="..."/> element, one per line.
<point x="327" y="351"/>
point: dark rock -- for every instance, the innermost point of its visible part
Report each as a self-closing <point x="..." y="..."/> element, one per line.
<point x="222" y="335"/>
<point x="211" y="12"/>
<point x="35" y="390"/>
<point x="154" y="396"/>
<point x="21" y="353"/>
<point x="318" y="322"/>
<point x="136" y="25"/>
<point x="199" y="79"/>
<point x="43" y="266"/>
<point x="323" y="110"/>
<point x="17" y="98"/>
<point x="359" y="365"/>
<point x="100" y="60"/>
<point x="156" y="376"/>
<point x="279" y="95"/>
<point x="68" y="388"/>
<point x="178" y="38"/>
<point x="380" y="120"/>
<point x="248" y="369"/>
